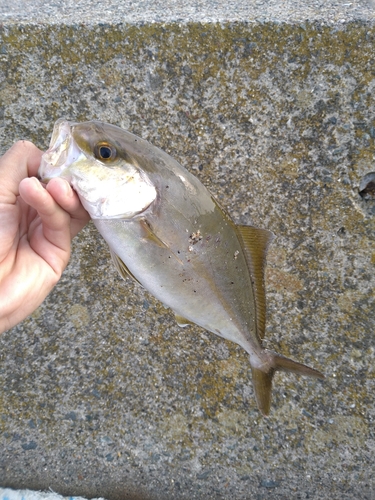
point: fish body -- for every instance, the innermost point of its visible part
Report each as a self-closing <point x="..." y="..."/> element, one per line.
<point x="167" y="231"/>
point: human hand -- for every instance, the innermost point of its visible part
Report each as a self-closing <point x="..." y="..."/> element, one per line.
<point x="37" y="225"/>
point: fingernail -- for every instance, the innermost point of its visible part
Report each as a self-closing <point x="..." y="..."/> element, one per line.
<point x="36" y="183"/>
<point x="64" y="188"/>
<point x="67" y="189"/>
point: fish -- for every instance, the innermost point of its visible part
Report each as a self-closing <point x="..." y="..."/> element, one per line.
<point x="166" y="231"/>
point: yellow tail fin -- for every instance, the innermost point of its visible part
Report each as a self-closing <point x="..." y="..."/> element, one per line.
<point x="262" y="380"/>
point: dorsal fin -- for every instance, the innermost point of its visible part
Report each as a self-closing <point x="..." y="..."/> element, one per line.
<point x="122" y="268"/>
<point x="255" y="243"/>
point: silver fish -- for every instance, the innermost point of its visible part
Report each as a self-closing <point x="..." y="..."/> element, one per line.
<point x="167" y="231"/>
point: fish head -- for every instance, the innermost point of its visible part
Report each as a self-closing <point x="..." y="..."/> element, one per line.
<point x="109" y="182"/>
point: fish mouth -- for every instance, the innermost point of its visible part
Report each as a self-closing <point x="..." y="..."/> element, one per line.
<point x="62" y="152"/>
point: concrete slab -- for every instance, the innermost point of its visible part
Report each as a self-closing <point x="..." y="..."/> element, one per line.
<point x="129" y="11"/>
<point x="102" y="394"/>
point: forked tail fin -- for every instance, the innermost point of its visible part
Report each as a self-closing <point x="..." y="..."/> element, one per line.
<point x="262" y="380"/>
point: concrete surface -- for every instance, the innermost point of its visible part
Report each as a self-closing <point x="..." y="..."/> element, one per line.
<point x="9" y="494"/>
<point x="102" y="394"/>
<point x="202" y="11"/>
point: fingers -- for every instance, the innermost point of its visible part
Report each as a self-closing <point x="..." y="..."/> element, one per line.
<point x="20" y="161"/>
<point x="55" y="220"/>
<point x="68" y="199"/>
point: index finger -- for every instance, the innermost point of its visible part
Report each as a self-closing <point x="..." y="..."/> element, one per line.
<point x="20" y="161"/>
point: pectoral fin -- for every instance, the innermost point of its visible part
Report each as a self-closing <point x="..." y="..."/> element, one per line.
<point x="150" y="235"/>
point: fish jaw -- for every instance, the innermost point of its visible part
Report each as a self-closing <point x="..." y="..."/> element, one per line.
<point x="96" y="185"/>
<point x="61" y="153"/>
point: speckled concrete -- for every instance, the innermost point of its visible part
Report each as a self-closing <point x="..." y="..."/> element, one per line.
<point x="145" y="11"/>
<point x="102" y="393"/>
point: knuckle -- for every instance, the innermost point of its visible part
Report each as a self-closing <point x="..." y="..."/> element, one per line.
<point x="24" y="145"/>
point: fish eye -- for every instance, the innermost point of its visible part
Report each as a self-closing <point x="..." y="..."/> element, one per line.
<point x="104" y="151"/>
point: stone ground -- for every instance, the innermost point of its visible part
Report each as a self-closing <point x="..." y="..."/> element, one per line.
<point x="102" y="393"/>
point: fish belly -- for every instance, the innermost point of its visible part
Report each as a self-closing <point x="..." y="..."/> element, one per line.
<point x="202" y="277"/>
